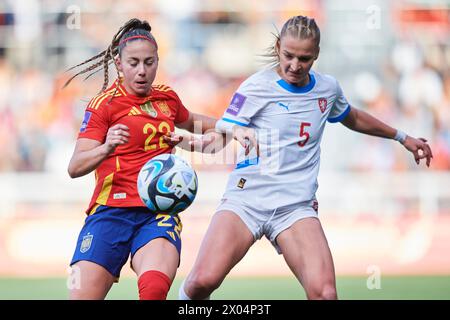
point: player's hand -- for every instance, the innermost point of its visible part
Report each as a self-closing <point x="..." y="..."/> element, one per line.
<point x="419" y="148"/>
<point x="172" y="139"/>
<point x="200" y="143"/>
<point x="186" y="142"/>
<point x="117" y="135"/>
<point x="247" y="138"/>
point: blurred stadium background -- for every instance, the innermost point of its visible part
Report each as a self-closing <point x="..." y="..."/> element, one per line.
<point x="386" y="219"/>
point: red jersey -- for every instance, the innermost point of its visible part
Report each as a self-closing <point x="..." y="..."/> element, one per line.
<point x="148" y="119"/>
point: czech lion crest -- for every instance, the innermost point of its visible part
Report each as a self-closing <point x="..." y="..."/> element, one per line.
<point x="322" y="104"/>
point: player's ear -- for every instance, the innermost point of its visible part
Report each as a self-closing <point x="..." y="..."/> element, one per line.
<point x="277" y="49"/>
<point x="119" y="64"/>
<point x="317" y="53"/>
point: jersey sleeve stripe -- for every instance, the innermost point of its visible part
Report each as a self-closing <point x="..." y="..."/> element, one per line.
<point x="247" y="163"/>
<point x="225" y="125"/>
<point x="99" y="102"/>
<point x="94" y="101"/>
<point x="122" y="91"/>
<point x="340" y="117"/>
<point x="235" y="122"/>
<point x="162" y="88"/>
<point x="108" y="94"/>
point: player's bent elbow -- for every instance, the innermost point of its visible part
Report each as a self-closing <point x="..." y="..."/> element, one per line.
<point x="73" y="171"/>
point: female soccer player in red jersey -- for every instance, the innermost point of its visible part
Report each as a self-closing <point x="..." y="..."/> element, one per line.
<point x="123" y="127"/>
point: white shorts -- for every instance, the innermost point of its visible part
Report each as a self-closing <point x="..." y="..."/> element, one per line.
<point x="269" y="223"/>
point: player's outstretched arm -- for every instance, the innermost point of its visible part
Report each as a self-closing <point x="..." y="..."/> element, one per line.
<point x="198" y="123"/>
<point x="205" y="140"/>
<point x="363" y="122"/>
<point x="210" y="142"/>
<point x="208" y="139"/>
<point x="89" y="153"/>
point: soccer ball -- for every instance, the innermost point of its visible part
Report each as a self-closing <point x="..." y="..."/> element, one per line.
<point x="167" y="184"/>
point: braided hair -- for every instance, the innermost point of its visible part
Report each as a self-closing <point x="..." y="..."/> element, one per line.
<point x="130" y="31"/>
<point x="300" y="27"/>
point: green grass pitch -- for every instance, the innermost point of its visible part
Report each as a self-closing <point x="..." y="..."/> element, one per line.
<point x="270" y="288"/>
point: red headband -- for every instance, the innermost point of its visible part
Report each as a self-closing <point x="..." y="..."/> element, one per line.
<point x="140" y="37"/>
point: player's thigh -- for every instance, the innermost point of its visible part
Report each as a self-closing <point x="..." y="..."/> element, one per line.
<point x="306" y="251"/>
<point x="158" y="254"/>
<point x="89" y="281"/>
<point x="156" y="245"/>
<point x="226" y="242"/>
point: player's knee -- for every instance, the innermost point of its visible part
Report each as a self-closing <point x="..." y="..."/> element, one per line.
<point x="329" y="293"/>
<point x="203" y="282"/>
<point x="90" y="283"/>
<point x="323" y="292"/>
<point x="88" y="293"/>
<point x="77" y="294"/>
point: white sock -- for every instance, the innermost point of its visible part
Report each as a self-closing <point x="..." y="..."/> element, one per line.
<point x="182" y="294"/>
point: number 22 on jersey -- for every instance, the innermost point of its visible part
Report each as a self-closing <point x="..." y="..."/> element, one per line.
<point x="151" y="130"/>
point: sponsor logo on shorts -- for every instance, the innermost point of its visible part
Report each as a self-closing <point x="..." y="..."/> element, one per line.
<point x="236" y="104"/>
<point x="241" y="183"/>
<point x="86" y="243"/>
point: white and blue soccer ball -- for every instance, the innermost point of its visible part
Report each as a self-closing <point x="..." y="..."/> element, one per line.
<point x="167" y="184"/>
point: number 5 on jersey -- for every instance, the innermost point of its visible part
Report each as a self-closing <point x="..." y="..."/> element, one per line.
<point x="303" y="133"/>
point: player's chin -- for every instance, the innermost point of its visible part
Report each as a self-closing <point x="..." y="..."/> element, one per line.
<point x="291" y="78"/>
<point x="141" y="89"/>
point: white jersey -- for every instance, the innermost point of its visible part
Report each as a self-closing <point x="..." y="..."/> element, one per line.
<point x="289" y="121"/>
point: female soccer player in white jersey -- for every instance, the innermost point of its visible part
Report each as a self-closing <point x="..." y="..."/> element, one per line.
<point x="292" y="103"/>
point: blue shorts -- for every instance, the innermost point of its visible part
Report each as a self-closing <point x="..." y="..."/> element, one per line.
<point x="110" y="234"/>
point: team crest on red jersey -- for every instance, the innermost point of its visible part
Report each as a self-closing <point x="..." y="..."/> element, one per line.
<point x="148" y="108"/>
<point x="322" y="104"/>
<point x="164" y="107"/>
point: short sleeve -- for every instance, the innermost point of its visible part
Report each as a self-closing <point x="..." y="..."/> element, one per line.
<point x="340" y="108"/>
<point x="181" y="112"/>
<point x="95" y="123"/>
<point x="243" y="106"/>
